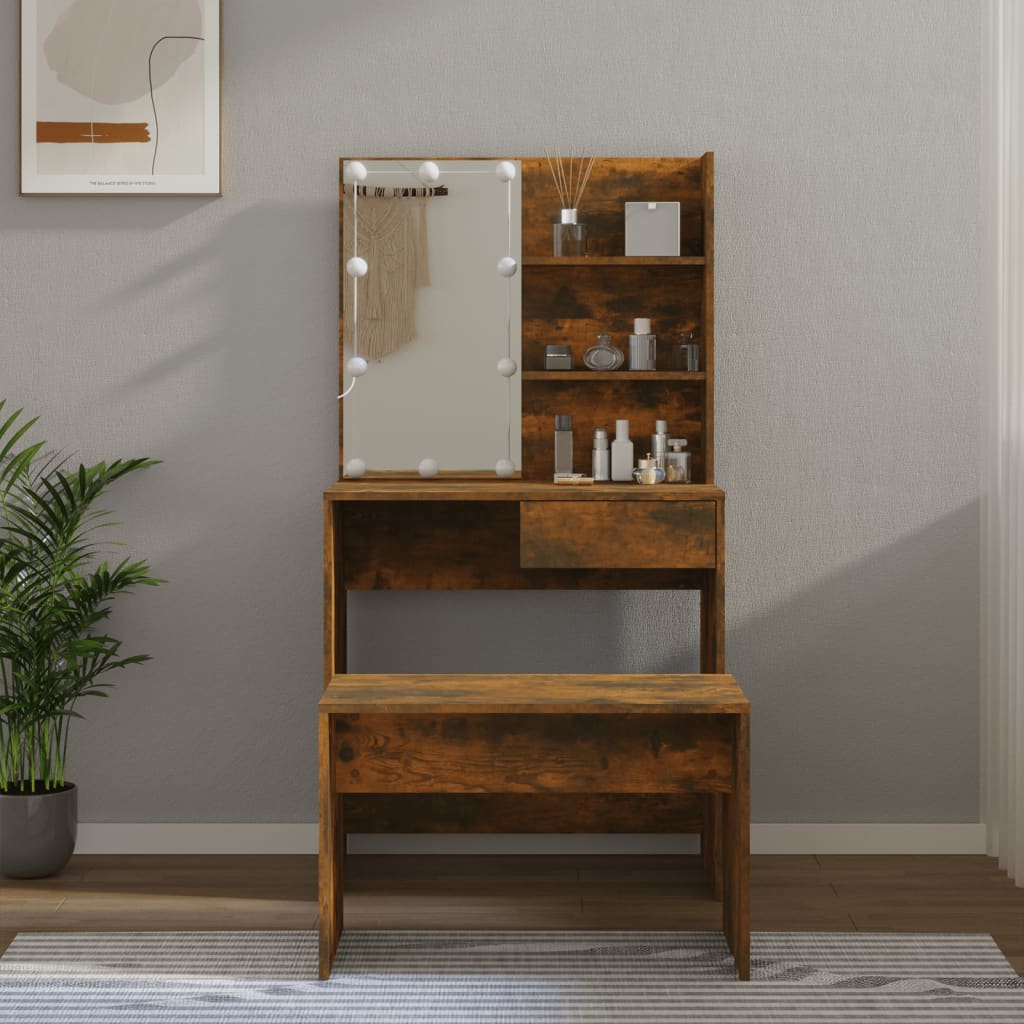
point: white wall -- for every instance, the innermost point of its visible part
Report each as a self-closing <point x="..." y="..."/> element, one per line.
<point x="203" y="332"/>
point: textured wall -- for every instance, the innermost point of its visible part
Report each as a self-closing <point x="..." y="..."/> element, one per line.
<point x="203" y="332"/>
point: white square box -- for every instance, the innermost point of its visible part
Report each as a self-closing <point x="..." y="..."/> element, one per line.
<point x="652" y="229"/>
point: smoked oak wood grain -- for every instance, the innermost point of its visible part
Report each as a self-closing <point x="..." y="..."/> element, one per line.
<point x="534" y="694"/>
<point x="466" y="545"/>
<point x="411" y="487"/>
<point x="531" y="813"/>
<point x="532" y="753"/>
<point x="613" y="182"/>
<point x="331" y="856"/>
<point x="609" y="535"/>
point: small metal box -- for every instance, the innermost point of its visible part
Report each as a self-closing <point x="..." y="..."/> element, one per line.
<point x="652" y="229"/>
<point x="558" y="357"/>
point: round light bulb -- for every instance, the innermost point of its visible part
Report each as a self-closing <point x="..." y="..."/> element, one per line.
<point x="507" y="367"/>
<point x="505" y="171"/>
<point x="428" y="468"/>
<point x="355" y="468"/>
<point x="428" y="172"/>
<point x="357" y="366"/>
<point x="507" y="266"/>
<point x="355" y="172"/>
<point x="356" y="267"/>
<point x="504" y="468"/>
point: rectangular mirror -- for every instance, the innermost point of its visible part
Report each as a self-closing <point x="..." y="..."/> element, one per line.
<point x="435" y="315"/>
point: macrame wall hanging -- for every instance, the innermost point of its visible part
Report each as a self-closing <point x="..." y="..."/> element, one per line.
<point x="393" y="240"/>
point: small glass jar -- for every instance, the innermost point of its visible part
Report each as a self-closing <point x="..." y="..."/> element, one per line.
<point x="647" y="472"/>
<point x="603" y="355"/>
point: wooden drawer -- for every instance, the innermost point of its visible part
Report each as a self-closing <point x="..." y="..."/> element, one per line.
<point x="617" y="534"/>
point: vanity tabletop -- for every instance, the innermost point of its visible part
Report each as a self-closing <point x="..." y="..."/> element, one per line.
<point x="534" y="694"/>
<point x="487" y="487"/>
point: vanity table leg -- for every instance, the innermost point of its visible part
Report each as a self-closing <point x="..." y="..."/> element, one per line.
<point x="711" y="843"/>
<point x="335" y="595"/>
<point x="332" y="845"/>
<point x="712" y="621"/>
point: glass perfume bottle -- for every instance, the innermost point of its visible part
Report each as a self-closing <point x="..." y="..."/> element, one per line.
<point x="686" y="353"/>
<point x="603" y="355"/>
<point x="677" y="462"/>
<point x="648" y="472"/>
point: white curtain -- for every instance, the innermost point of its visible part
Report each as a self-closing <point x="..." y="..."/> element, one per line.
<point x="1002" y="566"/>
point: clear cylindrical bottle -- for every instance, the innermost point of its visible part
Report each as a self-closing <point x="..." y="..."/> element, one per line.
<point x="602" y="467"/>
<point x="563" y="446"/>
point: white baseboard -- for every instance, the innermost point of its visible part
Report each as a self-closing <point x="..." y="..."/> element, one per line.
<point x="196" y="838"/>
<point x="867" y="838"/>
<point x="302" y="838"/>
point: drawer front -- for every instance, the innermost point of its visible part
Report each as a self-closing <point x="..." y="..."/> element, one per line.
<point x="617" y="534"/>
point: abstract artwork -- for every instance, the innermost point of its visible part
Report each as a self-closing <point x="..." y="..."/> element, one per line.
<point x="120" y="97"/>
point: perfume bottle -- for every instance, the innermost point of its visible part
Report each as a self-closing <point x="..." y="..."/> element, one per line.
<point x="642" y="345"/>
<point x="647" y="471"/>
<point x="563" y="446"/>
<point x="677" y="462"/>
<point x="602" y="456"/>
<point x="659" y="442"/>
<point x="603" y="356"/>
<point x="686" y="353"/>
<point x="622" y="453"/>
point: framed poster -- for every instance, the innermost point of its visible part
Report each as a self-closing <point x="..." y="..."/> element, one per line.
<point x="120" y="97"/>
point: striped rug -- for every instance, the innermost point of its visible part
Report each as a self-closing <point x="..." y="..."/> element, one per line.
<point x="508" y="977"/>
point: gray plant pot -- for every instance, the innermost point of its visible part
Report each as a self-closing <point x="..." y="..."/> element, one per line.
<point x="37" y="832"/>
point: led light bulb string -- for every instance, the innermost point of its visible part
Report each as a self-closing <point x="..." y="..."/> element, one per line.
<point x="508" y="329"/>
<point x="355" y="289"/>
<point x="356" y="267"/>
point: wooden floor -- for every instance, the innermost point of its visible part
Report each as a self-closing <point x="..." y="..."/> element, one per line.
<point x="907" y="894"/>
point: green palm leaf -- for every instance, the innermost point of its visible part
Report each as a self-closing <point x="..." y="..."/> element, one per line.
<point x="56" y="588"/>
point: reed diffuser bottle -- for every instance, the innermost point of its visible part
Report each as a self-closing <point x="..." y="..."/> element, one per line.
<point x="569" y="233"/>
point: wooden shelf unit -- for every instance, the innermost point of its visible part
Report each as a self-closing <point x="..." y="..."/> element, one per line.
<point x="568" y="301"/>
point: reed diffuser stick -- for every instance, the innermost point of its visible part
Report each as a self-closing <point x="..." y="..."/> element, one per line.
<point x="570" y="175"/>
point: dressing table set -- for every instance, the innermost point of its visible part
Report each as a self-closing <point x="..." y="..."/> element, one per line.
<point x="447" y="481"/>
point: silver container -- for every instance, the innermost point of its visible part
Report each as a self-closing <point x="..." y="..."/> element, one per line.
<point x="558" y="357"/>
<point x="643" y="351"/>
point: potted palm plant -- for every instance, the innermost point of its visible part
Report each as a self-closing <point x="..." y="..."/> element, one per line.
<point x="56" y="589"/>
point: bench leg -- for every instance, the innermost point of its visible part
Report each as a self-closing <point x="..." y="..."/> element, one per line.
<point x="711" y="842"/>
<point x="332" y="852"/>
<point x="736" y="905"/>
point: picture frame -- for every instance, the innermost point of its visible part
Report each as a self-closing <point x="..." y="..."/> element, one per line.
<point x="121" y="97"/>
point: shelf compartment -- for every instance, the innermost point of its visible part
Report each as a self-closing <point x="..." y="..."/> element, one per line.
<point x="596" y="376"/>
<point x="613" y="261"/>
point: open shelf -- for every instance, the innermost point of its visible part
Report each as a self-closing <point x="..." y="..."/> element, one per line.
<point x="613" y="261"/>
<point x="611" y="375"/>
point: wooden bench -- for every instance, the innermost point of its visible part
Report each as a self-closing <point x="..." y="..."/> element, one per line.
<point x="541" y="734"/>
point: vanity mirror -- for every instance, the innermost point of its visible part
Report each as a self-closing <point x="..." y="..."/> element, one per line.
<point x="431" y="321"/>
